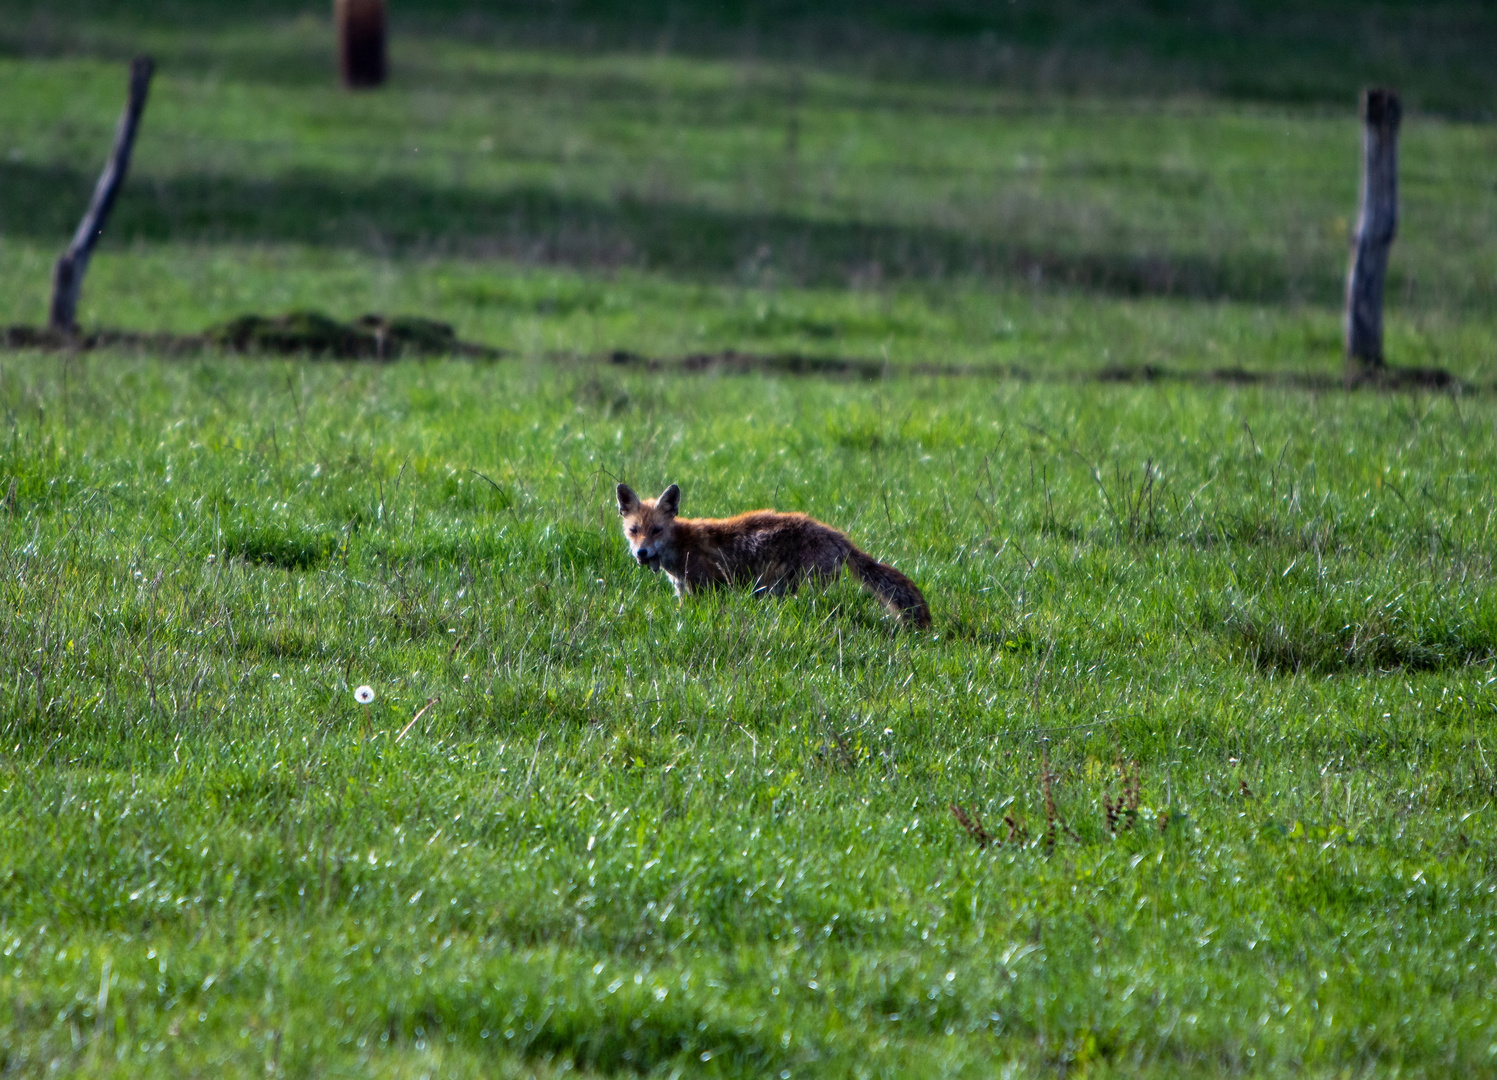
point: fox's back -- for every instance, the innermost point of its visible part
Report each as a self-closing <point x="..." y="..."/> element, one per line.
<point x="762" y="545"/>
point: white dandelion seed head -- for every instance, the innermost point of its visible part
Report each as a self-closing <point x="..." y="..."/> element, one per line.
<point x="364" y="695"/>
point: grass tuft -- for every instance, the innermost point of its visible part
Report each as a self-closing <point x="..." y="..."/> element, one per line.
<point x="1331" y="635"/>
<point x="288" y="548"/>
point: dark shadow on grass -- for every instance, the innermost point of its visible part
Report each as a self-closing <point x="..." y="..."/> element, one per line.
<point x="731" y="362"/>
<point x="734" y="362"/>
<point x="1390" y="377"/>
<point x="1329" y="638"/>
<point x="534" y="224"/>
<point x="627" y="1033"/>
<point x="1275" y="50"/>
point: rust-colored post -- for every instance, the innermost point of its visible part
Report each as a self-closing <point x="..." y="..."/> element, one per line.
<point x="1377" y="222"/>
<point x="361" y="41"/>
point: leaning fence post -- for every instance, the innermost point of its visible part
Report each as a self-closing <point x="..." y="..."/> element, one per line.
<point x="361" y="41"/>
<point x="67" y="275"/>
<point x="1377" y="222"/>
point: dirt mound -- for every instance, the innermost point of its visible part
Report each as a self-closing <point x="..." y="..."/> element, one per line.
<point x="311" y="333"/>
<point x="297" y="333"/>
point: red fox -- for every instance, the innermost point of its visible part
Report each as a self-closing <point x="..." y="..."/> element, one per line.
<point x="771" y="551"/>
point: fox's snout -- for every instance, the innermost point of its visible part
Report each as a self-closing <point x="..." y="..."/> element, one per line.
<point x="648" y="556"/>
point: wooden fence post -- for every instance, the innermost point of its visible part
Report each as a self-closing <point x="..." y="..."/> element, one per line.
<point x="67" y="275"/>
<point x="361" y="41"/>
<point x="1377" y="222"/>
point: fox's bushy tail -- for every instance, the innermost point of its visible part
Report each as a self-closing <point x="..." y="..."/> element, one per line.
<point x="899" y="593"/>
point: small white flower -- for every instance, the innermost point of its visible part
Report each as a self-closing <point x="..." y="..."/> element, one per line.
<point x="364" y="695"/>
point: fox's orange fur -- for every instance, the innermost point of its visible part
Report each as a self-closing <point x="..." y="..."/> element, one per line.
<point x="768" y="550"/>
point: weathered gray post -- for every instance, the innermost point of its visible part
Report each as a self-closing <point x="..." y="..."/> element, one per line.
<point x="67" y="275"/>
<point x="361" y="41"/>
<point x="1377" y="222"/>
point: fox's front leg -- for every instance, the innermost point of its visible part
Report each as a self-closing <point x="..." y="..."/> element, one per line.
<point x="682" y="582"/>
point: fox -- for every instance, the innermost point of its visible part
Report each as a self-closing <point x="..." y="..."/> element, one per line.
<point x="771" y="551"/>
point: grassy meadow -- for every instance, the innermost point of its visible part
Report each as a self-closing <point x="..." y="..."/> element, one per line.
<point x="1193" y="774"/>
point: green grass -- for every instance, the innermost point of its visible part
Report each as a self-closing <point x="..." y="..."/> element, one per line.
<point x="1224" y="656"/>
<point x="629" y="832"/>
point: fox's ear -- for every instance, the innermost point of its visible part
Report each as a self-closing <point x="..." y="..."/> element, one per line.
<point x="669" y="501"/>
<point x="628" y="501"/>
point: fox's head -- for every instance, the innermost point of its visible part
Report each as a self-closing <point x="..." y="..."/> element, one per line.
<point x="648" y="524"/>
